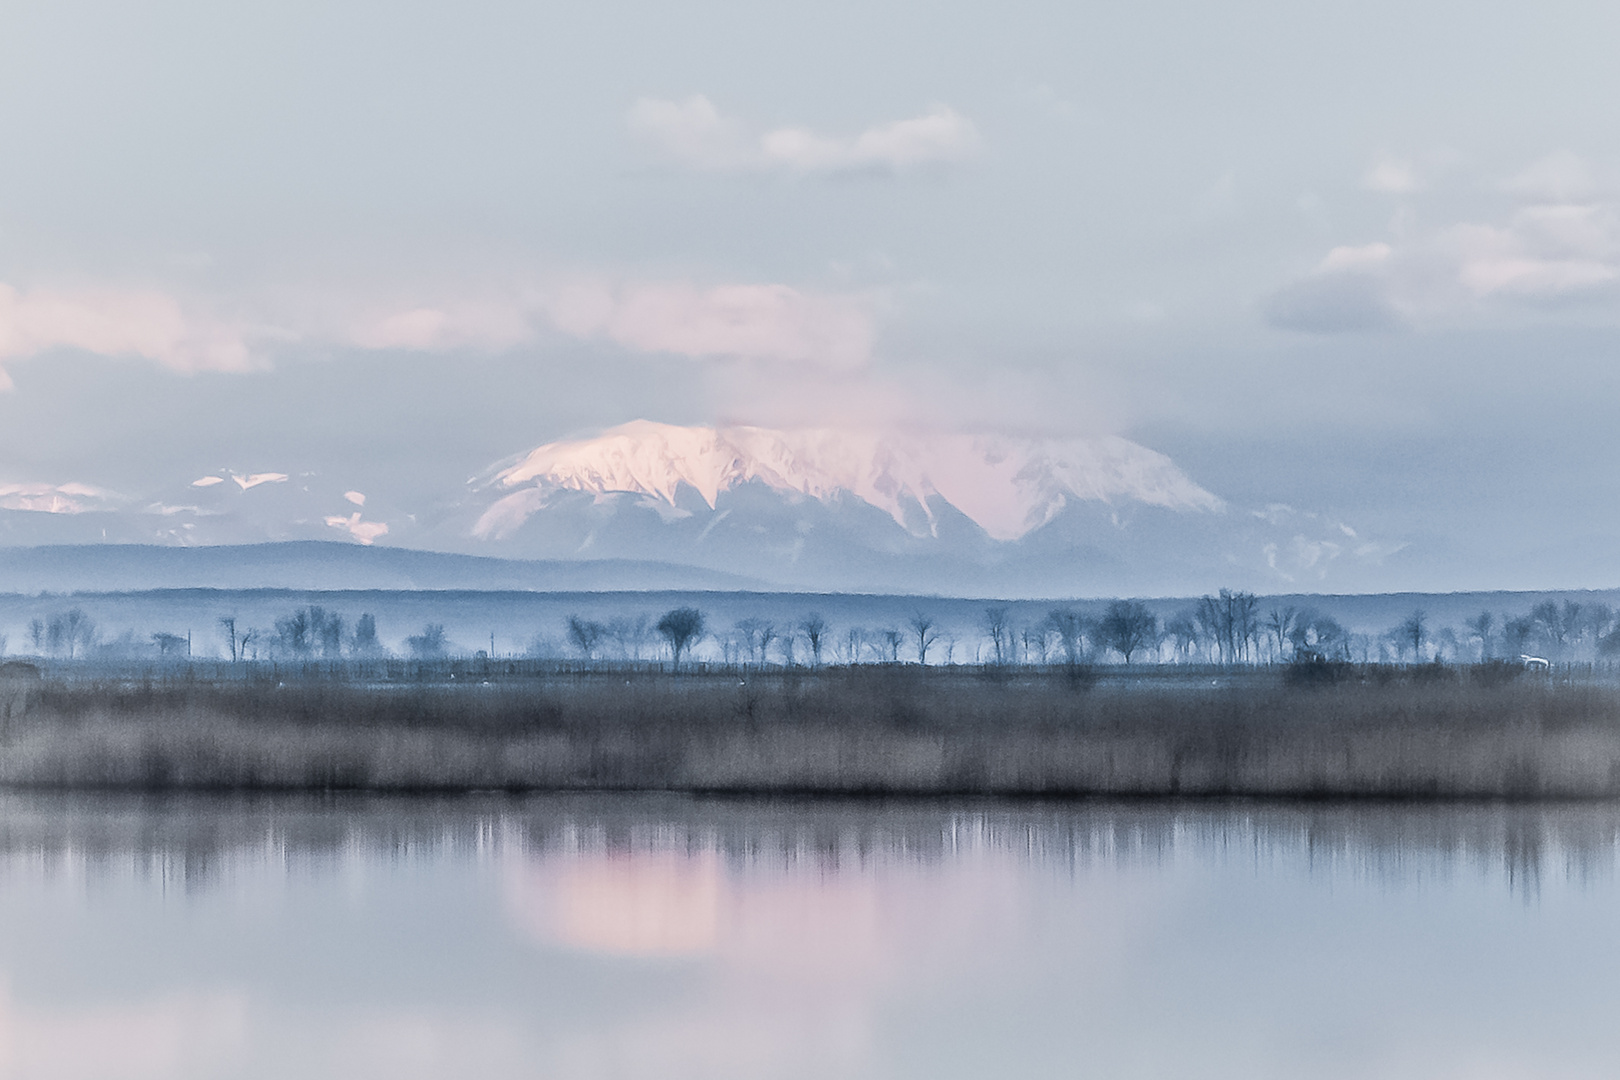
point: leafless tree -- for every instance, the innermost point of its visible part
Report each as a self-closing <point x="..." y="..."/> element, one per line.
<point x="995" y="627"/>
<point x="585" y="635"/>
<point x="1129" y="627"/>
<point x="1280" y="621"/>
<point x="923" y="633"/>
<point x="682" y="628"/>
<point x="1479" y="628"/>
<point x="1413" y="632"/>
<point x="892" y="640"/>
<point x="1182" y="630"/>
<point x="1070" y="627"/>
<point x="814" y="629"/>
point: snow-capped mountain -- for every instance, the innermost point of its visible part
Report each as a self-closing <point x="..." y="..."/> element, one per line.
<point x="816" y="509"/>
<point x="1007" y="487"/>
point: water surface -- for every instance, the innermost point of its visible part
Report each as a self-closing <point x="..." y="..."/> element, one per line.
<point x="590" y="936"/>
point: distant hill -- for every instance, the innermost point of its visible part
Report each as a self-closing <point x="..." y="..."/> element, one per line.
<point x="321" y="565"/>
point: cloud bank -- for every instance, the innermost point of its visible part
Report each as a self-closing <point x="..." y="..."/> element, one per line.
<point x="116" y="323"/>
<point x="1559" y="246"/>
<point x="693" y="133"/>
<point x="770" y="323"/>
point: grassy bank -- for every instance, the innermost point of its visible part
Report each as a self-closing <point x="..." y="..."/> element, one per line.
<point x="1384" y="734"/>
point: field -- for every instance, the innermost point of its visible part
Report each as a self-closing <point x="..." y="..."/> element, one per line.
<point x="1359" y="732"/>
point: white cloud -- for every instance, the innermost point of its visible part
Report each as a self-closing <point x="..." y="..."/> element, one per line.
<point x="695" y="134"/>
<point x="1541" y="252"/>
<point x="1391" y="176"/>
<point x="489" y="326"/>
<point x="367" y="532"/>
<point x="253" y="481"/>
<point x="72" y="498"/>
<point x="355" y="497"/>
<point x="762" y="322"/>
<point x="116" y="323"/>
<point x="1558" y="177"/>
<point x="207" y="481"/>
<point x="773" y="323"/>
<point x="691" y="131"/>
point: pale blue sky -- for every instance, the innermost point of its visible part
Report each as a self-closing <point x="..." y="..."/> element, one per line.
<point x="1360" y="258"/>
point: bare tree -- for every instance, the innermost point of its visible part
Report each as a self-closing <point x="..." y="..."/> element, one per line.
<point x="1129" y="627"/>
<point x="757" y="635"/>
<point x="228" y="624"/>
<point x="1231" y="621"/>
<point x="630" y="635"/>
<point x="585" y="635"/>
<point x="1479" y="628"/>
<point x="169" y="644"/>
<point x="70" y="632"/>
<point x="430" y="644"/>
<point x="365" y="642"/>
<point x="1182" y="630"/>
<point x="923" y="633"/>
<point x="814" y="629"/>
<point x="1280" y="621"/>
<point x="1035" y="640"/>
<point x="682" y="628"/>
<point x="892" y="640"/>
<point x="995" y="626"/>
<point x="1414" y="631"/>
<point x="1070" y="627"/>
<point x="1319" y="635"/>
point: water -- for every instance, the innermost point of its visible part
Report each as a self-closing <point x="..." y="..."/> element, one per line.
<point x="626" y="937"/>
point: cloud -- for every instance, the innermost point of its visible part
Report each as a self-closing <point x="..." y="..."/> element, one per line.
<point x="207" y="481"/>
<point x="1391" y="176"/>
<point x="490" y="326"/>
<point x="693" y="133"/>
<point x="367" y="532"/>
<point x="116" y="323"/>
<point x="253" y="481"/>
<point x="1549" y="250"/>
<point x="772" y="323"/>
<point x="1558" y="177"/>
<point x="1347" y="293"/>
<point x="72" y="498"/>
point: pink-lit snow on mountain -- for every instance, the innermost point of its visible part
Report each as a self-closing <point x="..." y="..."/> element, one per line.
<point x="1008" y="486"/>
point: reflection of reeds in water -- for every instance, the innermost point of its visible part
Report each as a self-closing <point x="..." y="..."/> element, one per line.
<point x="194" y="839"/>
<point x="860" y="731"/>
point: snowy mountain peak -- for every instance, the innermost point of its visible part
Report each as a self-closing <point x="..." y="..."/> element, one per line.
<point x="1008" y="486"/>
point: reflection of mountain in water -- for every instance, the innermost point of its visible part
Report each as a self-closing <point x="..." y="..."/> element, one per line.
<point x="201" y="839"/>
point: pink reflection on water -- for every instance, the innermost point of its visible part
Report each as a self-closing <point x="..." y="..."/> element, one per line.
<point x="790" y="965"/>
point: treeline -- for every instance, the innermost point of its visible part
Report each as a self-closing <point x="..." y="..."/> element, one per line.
<point x="1229" y="628"/>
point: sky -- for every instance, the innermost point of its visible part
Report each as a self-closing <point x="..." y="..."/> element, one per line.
<point x="1358" y="260"/>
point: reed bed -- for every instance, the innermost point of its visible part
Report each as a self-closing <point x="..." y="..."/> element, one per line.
<point x="869" y="731"/>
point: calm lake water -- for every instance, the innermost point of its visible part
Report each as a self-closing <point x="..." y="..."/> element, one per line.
<point x="630" y="937"/>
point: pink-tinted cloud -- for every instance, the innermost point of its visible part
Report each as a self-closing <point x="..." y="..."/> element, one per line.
<point x="72" y="498"/>
<point x="116" y="323"/>
<point x="487" y="326"/>
<point x="255" y="479"/>
<point x="692" y="132"/>
<point x="366" y="532"/>
<point x="1560" y="245"/>
<point x="774" y="323"/>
